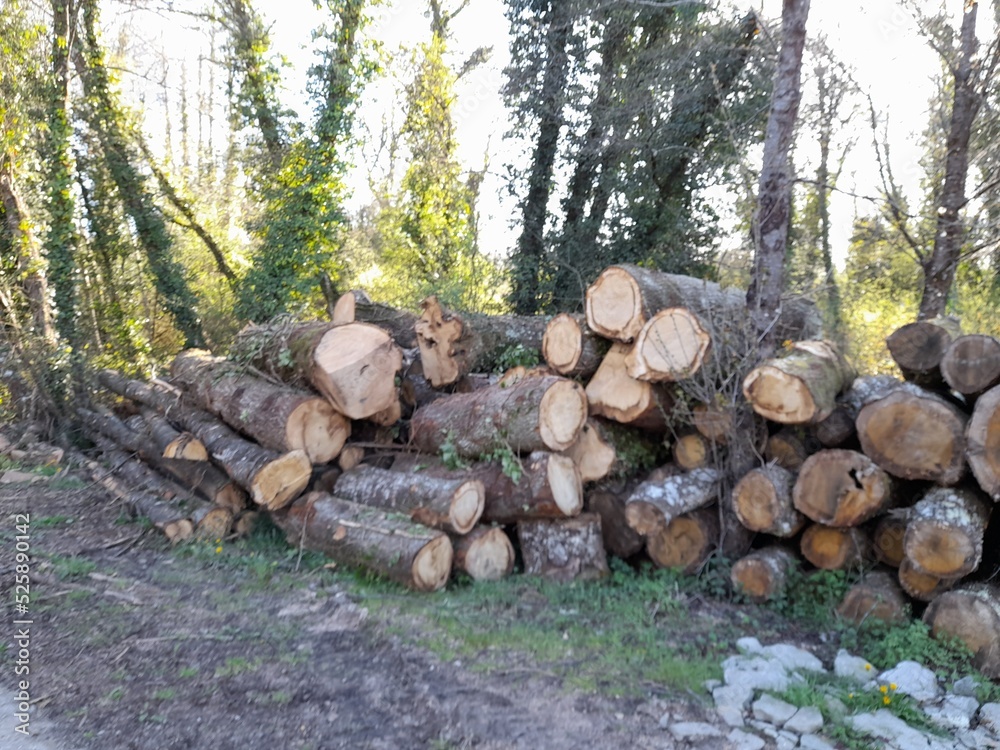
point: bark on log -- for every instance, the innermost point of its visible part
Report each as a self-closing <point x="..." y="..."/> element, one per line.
<point x="830" y="548"/>
<point x="171" y="442"/>
<point x="655" y="503"/>
<point x="353" y="365"/>
<point x="357" y="535"/>
<point x="564" y="550"/>
<point x="918" y="348"/>
<point x="446" y="504"/>
<point x="971" y="364"/>
<point x="613" y="394"/>
<point x="887" y="538"/>
<point x="350" y="457"/>
<point x="944" y="536"/>
<point x="272" y="479"/>
<point x="922" y="586"/>
<point x="764" y="574"/>
<point x="800" y="387"/>
<point x="673" y="345"/>
<point x="877" y="596"/>
<point x="571" y="348"/>
<point x="357" y="307"/>
<point x="687" y="541"/>
<point x="485" y="553"/>
<point x="279" y="417"/>
<point x="214" y="523"/>
<point x="983" y="442"/>
<point x="914" y="434"/>
<point x="837" y="487"/>
<point x="972" y="615"/>
<point x="840" y="427"/>
<point x="452" y="346"/>
<point x="545" y="413"/>
<point x="762" y="500"/>
<point x="620" y="539"/>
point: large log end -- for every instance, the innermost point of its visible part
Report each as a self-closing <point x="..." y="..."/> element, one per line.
<point x="279" y="482"/>
<point x="432" y="564"/>
<point x="562" y="413"/>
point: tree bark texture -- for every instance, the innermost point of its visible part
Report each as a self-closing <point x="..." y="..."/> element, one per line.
<point x="357" y="307"/>
<point x="655" y="503"/>
<point x="571" y="549"/>
<point x="972" y="615"/>
<point x="944" y="536"/>
<point x="620" y="539"/>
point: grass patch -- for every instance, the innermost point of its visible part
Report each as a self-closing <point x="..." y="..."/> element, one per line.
<point x="68" y="568"/>
<point x="165" y="694"/>
<point x="50" y="521"/>
<point x="187" y="672"/>
<point x="235" y="666"/>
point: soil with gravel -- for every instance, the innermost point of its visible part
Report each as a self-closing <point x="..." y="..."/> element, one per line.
<point x="133" y="646"/>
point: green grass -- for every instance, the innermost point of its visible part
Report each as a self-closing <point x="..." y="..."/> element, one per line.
<point x="165" y="694"/>
<point x="49" y="521"/>
<point x="67" y="568"/>
<point x="187" y="672"/>
<point x="235" y="666"/>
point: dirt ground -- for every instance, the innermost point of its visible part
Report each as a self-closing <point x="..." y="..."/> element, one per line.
<point x="132" y="646"/>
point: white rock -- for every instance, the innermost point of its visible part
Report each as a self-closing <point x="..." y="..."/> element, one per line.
<point x="755" y="673"/>
<point x="736" y="696"/>
<point x="953" y="712"/>
<point x="807" y="720"/>
<point x="815" y="742"/>
<point x="745" y="741"/>
<point x="989" y="717"/>
<point x="887" y="726"/>
<point x="749" y="645"/>
<point x="764" y="728"/>
<point x="731" y="715"/>
<point x="786" y="741"/>
<point x="977" y="739"/>
<point x="852" y="667"/>
<point x="693" y="731"/>
<point x="966" y="686"/>
<point x="772" y="710"/>
<point x="792" y="658"/>
<point x="711" y="685"/>
<point x="912" y="679"/>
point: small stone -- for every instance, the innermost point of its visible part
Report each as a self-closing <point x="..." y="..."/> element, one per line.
<point x="749" y="645"/>
<point x="807" y="720"/>
<point x="745" y="741"/>
<point x="737" y="696"/>
<point x="852" y="667"/>
<point x="792" y="658"/>
<point x="755" y="673"/>
<point x="693" y="731"/>
<point x="786" y="741"/>
<point x="912" y="679"/>
<point x="12" y="476"/>
<point x="815" y="742"/>
<point x="989" y="717"/>
<point x="977" y="739"/>
<point x="772" y="710"/>
<point x="764" y="728"/>
<point x="711" y="685"/>
<point x="885" y="725"/>
<point x="953" y="712"/>
<point x="966" y="686"/>
<point x="731" y="716"/>
<point x="665" y="720"/>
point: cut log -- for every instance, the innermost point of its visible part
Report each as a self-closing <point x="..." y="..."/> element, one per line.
<point x="545" y="413"/>
<point x="485" y="553"/>
<point x="877" y="596"/>
<point x="762" y="500"/>
<point x="272" y="479"/>
<point x="972" y="615"/>
<point x="839" y="427"/>
<point x="922" y="586"/>
<point x="564" y="550"/>
<point x="801" y="386"/>
<point x="692" y="450"/>
<point x="353" y="365"/>
<point x="549" y="485"/>
<point x="971" y="364"/>
<point x="655" y="503"/>
<point x="390" y="415"/>
<point x="620" y="539"/>
<point x="279" y="417"/>
<point x="213" y="523"/>
<point x="608" y="448"/>
<point x="613" y="394"/>
<point x="764" y="574"/>
<point x="983" y="442"/>
<point x="687" y="541"/>
<point x="918" y="348"/>
<point x="887" y="538"/>
<point x="357" y="307"/>
<point x="790" y="447"/>
<point x="452" y="346"/>
<point x="714" y="422"/>
<point x="592" y="453"/>
<point x="350" y="457"/>
<point x="171" y="442"/>
<point x="571" y="348"/>
<point x="673" y="345"/>
<point x="360" y="536"/>
<point x="914" y="434"/>
<point x="838" y="487"/>
<point x="446" y="504"/>
<point x="830" y="548"/>
<point x="944" y="536"/>
<point x="244" y="523"/>
<point x="519" y="372"/>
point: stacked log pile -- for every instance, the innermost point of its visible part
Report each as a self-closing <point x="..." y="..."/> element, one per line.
<point x="391" y="440"/>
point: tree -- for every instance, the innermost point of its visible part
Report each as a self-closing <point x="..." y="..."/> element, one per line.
<point x="774" y="192"/>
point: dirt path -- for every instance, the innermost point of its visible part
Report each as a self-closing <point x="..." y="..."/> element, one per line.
<point x="132" y="646"/>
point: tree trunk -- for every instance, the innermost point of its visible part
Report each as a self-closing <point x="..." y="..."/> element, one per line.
<point x="485" y="553"/>
<point x="655" y="503"/>
<point x="972" y="615"/>
<point x="171" y="442"/>
<point x="971" y="364"/>
<point x="278" y="417"/>
<point x="763" y="575"/>
<point x="944" y="537"/>
<point x="839" y="427"/>
<point x="354" y="365"/>
<point x="611" y="393"/>
<point x="452" y="346"/>
<point x="213" y="523"/>
<point x="762" y="501"/>
<point x="774" y="193"/>
<point x="571" y="348"/>
<point x="922" y="586"/>
<point x="545" y="413"/>
<point x="877" y="596"/>
<point x="830" y="548"/>
<point x="686" y="541"/>
<point x="357" y="307"/>
<point x="446" y="504"/>
<point x="837" y="487"/>
<point x="983" y="437"/>
<point x="918" y="348"/>
<point x="564" y="550"/>
<point x="357" y="535"/>
<point x="914" y="434"/>
<point x="619" y="538"/>
<point x="272" y="479"/>
<point x="800" y="387"/>
<point x="887" y="537"/>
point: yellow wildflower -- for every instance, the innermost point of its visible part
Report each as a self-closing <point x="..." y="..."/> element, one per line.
<point x="892" y="685"/>
<point x="218" y="550"/>
<point x="868" y="667"/>
<point x="884" y="690"/>
<point x="886" y="700"/>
